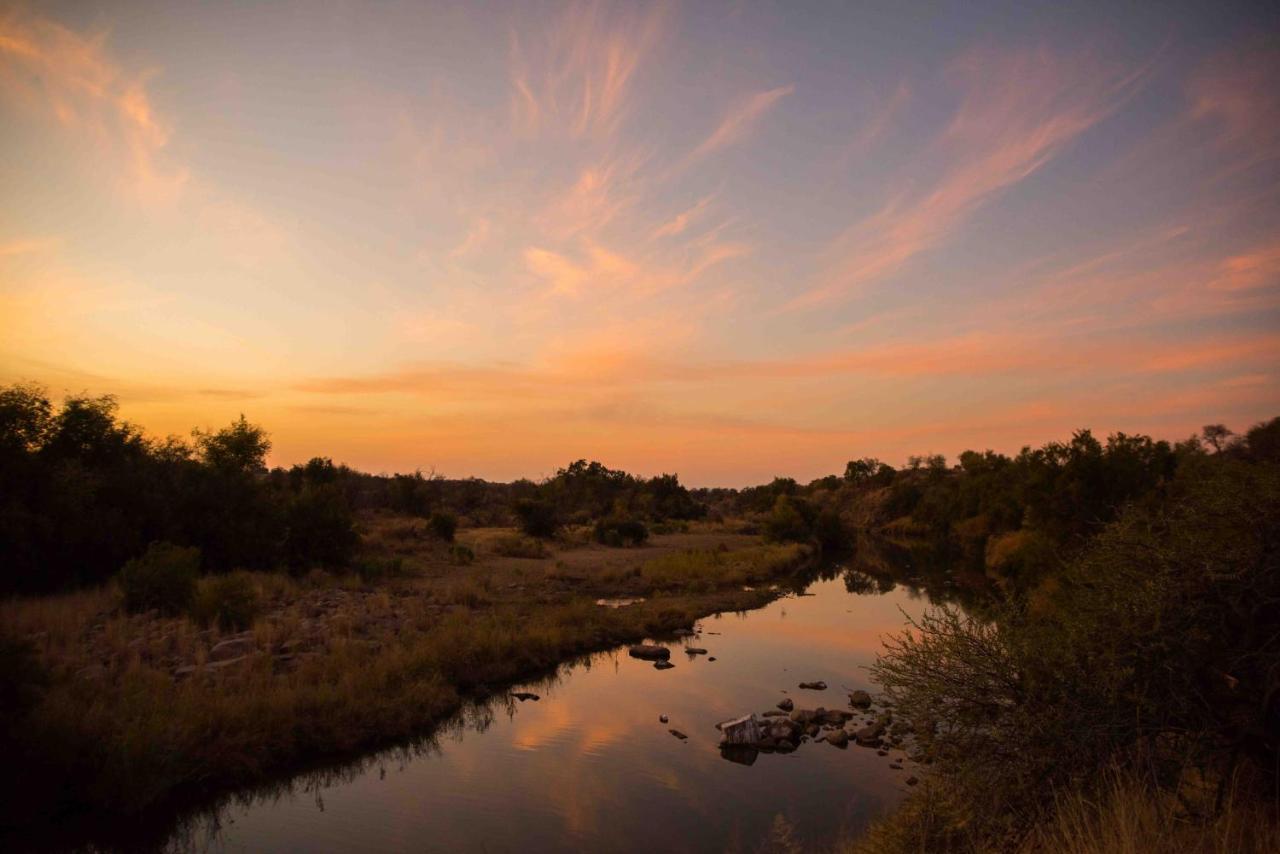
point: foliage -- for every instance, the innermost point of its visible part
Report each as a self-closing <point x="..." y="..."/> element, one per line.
<point x="443" y="525"/>
<point x="1158" y="640"/>
<point x="620" y="532"/>
<point x="162" y="578"/>
<point x="320" y="529"/>
<point x="522" y="547"/>
<point x="537" y="518"/>
<point x="461" y="555"/>
<point x="791" y="520"/>
<point x="227" y="601"/>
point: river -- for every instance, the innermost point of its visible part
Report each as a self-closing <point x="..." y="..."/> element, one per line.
<point x="590" y="766"/>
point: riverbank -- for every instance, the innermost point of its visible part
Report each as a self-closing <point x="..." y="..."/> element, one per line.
<point x="140" y="709"/>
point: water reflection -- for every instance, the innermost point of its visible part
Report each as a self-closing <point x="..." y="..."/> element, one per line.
<point x="591" y="766"/>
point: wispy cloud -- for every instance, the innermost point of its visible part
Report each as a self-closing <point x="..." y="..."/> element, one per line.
<point x="678" y="223"/>
<point x="70" y="77"/>
<point x="741" y="118"/>
<point x="576" y="75"/>
<point x="1017" y="112"/>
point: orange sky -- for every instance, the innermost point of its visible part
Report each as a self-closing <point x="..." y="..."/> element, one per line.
<point x="729" y="241"/>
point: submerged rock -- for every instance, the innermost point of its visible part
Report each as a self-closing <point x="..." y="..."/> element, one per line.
<point x="649" y="652"/>
<point x="838" y="738"/>
<point x="814" y="686"/>
<point x="693" y="650"/>
<point x="662" y="665"/>
<point x="663" y="719"/>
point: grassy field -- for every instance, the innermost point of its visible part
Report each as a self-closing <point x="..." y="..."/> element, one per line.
<point x="139" y="708"/>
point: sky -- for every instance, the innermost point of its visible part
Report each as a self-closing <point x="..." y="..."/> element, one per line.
<point x="731" y="241"/>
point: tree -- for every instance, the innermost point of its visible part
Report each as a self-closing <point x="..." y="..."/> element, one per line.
<point x="241" y="448"/>
<point x="1216" y="435"/>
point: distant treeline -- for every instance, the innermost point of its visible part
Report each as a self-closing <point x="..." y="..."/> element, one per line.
<point x="82" y="492"/>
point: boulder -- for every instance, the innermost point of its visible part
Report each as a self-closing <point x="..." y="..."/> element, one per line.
<point x="649" y="652"/>
<point x="860" y="699"/>
<point x="693" y="650"/>
<point x="786" y="705"/>
<point x="231" y="648"/>
<point x="662" y="665"/>
<point x="838" y="738"/>
<point x="745" y="730"/>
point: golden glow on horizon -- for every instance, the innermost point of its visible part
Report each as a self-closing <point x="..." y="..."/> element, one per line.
<point x="665" y="238"/>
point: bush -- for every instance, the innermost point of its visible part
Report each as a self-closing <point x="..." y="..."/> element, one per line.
<point x="373" y="569"/>
<point x="321" y="529"/>
<point x="229" y="601"/>
<point x="786" y="523"/>
<point x="443" y="525"/>
<point x="537" y="518"/>
<point x="525" y="547"/>
<point x="620" y="532"/>
<point x="461" y="555"/>
<point x="163" y="578"/>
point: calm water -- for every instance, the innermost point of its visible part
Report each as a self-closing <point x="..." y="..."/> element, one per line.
<point x="590" y="767"/>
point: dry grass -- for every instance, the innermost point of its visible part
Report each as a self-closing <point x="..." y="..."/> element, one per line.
<point x="1131" y="818"/>
<point x="336" y="664"/>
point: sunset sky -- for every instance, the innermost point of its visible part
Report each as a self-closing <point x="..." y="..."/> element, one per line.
<point x="724" y="240"/>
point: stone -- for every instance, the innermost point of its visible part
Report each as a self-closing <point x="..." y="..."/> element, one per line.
<point x="649" y="652"/>
<point x="814" y="686"/>
<point x="712" y="658"/>
<point x="233" y="647"/>
<point x="911" y="781"/>
<point x="786" y="705"/>
<point x="693" y="650"/>
<point x="860" y="699"/>
<point x="745" y="730"/>
<point x="663" y="719"/>
<point x="838" y="738"/>
<point x="662" y="665"/>
<point x="678" y="734"/>
<point x="525" y="695"/>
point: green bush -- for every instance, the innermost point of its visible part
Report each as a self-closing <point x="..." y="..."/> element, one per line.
<point x="787" y="522"/>
<point x="443" y="525"/>
<point x="537" y="518"/>
<point x="620" y="532"/>
<point x="321" y="529"/>
<point x="229" y="601"/>
<point x="163" y="578"/>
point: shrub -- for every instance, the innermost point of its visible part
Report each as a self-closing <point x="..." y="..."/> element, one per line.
<point x="786" y="523"/>
<point x="373" y="569"/>
<point x="514" y="546"/>
<point x="321" y="529"/>
<point x="461" y="555"/>
<point x="537" y="518"/>
<point x="443" y="525"/>
<point x="620" y="532"/>
<point x="163" y="578"/>
<point x="229" y="601"/>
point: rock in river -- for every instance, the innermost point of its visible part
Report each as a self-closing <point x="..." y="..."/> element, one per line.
<point x="838" y="738"/>
<point x="860" y="699"/>
<point x="662" y="665"/>
<point x="814" y="686"/>
<point x="678" y="734"/>
<point x="649" y="652"/>
<point x="525" y="695"/>
<point x="786" y="705"/>
<point x="693" y="650"/>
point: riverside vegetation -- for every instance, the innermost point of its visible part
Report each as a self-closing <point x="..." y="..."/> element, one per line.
<point x="181" y="619"/>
